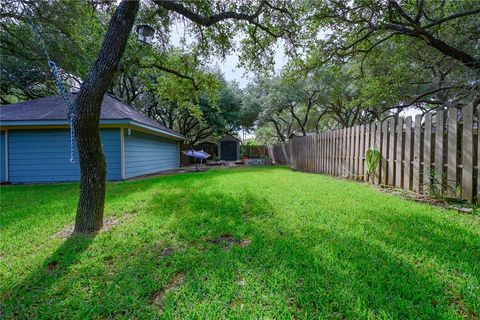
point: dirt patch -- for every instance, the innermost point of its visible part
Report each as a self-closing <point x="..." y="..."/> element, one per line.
<point x="300" y="283"/>
<point x="245" y="243"/>
<point x="422" y="198"/>
<point x="227" y="241"/>
<point x="109" y="223"/>
<point x="172" y="286"/>
<point x="455" y="299"/>
<point x="64" y="233"/>
<point x="67" y="231"/>
<point x="51" y="266"/>
<point x="164" y="250"/>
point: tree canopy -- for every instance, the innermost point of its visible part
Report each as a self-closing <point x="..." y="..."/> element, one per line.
<point x="349" y="62"/>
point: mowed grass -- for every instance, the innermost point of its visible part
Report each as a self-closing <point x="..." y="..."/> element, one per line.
<point x="309" y="246"/>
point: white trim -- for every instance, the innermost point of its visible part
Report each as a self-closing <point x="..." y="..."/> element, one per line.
<point x="122" y="152"/>
<point x="6" y="156"/>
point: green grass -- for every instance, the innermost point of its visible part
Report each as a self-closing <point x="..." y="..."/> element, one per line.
<point x="319" y="248"/>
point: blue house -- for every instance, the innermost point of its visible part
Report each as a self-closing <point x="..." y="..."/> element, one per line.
<point x="35" y="142"/>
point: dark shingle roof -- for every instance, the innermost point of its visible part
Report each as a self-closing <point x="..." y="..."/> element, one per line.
<point x="53" y="108"/>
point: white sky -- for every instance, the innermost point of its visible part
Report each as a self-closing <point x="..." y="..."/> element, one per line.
<point x="229" y="66"/>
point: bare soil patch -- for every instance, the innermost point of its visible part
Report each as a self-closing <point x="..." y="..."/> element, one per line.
<point x="227" y="241"/>
<point x="67" y="231"/>
<point x="172" y="286"/>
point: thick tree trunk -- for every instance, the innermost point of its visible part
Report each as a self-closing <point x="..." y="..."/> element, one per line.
<point x="93" y="167"/>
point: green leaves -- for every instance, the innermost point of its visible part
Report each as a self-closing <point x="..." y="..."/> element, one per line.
<point x="372" y="159"/>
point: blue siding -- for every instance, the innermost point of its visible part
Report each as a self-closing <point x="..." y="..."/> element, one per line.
<point x="3" y="168"/>
<point x="43" y="155"/>
<point x="146" y="154"/>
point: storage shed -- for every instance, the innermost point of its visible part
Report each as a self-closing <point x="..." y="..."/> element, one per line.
<point x="35" y="142"/>
<point x="229" y="148"/>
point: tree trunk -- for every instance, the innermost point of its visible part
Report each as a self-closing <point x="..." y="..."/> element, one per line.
<point x="93" y="167"/>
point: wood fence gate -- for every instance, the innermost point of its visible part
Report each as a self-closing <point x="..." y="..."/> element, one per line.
<point x="437" y="154"/>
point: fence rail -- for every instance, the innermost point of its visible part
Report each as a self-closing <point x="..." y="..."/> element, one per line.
<point x="436" y="154"/>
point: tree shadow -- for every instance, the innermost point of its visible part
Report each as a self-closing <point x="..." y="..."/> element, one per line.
<point x="35" y="290"/>
<point x="289" y="269"/>
<point x="301" y="272"/>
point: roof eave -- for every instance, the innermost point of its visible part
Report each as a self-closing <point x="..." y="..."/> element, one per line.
<point x="127" y="122"/>
<point x="174" y="135"/>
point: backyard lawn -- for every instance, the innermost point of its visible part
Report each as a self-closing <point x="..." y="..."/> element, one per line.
<point x="237" y="243"/>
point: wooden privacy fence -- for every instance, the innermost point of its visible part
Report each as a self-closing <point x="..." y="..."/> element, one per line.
<point x="437" y="154"/>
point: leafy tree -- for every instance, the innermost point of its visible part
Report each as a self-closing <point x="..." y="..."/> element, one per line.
<point x="213" y="26"/>
<point x="201" y="116"/>
<point x="357" y="27"/>
<point x="72" y="33"/>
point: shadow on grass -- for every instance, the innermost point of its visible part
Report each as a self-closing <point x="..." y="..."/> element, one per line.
<point x="302" y="272"/>
<point x="40" y="286"/>
<point x="289" y="269"/>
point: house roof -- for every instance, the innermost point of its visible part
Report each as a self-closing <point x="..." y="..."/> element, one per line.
<point x="52" y="110"/>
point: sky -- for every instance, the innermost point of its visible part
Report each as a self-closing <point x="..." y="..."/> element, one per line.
<point x="229" y="66"/>
<point x="233" y="72"/>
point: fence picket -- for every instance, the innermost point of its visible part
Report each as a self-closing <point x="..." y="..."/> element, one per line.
<point x="427" y="153"/>
<point x="337" y="152"/>
<point x="399" y="156"/>
<point x="333" y="153"/>
<point x="327" y="152"/>
<point x="452" y="152"/>
<point x="315" y="155"/>
<point x="345" y="152"/>
<point x="357" y="153"/>
<point x="467" y="153"/>
<point x="407" y="163"/>
<point x="391" y="152"/>
<point x="478" y="154"/>
<point x="324" y="150"/>
<point x="361" y="152"/>
<point x="372" y="146"/>
<point x="384" y="169"/>
<point x="378" y="146"/>
<point x="417" y="147"/>
<point x="365" y="148"/>
<point x="439" y="152"/>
